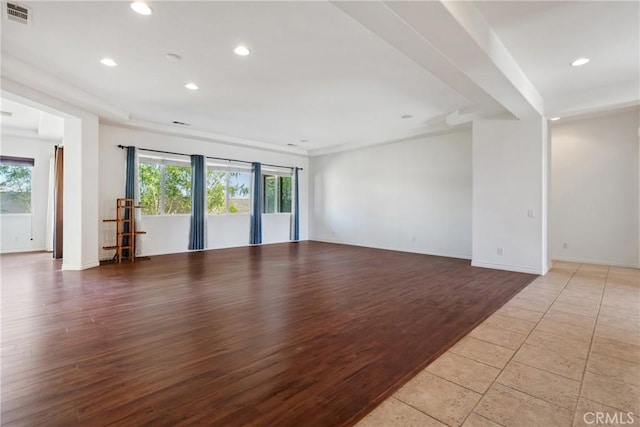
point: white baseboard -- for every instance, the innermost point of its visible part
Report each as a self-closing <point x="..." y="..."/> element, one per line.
<point x="212" y="249"/>
<point x="78" y="267"/>
<point x="19" y="251"/>
<point x="594" y="261"/>
<point x="389" y="248"/>
<point x="507" y="267"/>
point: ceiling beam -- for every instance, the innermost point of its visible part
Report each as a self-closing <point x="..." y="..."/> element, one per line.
<point x="452" y="41"/>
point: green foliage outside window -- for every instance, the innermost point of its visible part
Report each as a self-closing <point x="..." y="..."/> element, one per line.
<point x="216" y="192"/>
<point x="15" y="189"/>
<point x="269" y="194"/>
<point x="284" y="193"/>
<point x="239" y="192"/>
<point x="236" y="184"/>
<point x="150" y="188"/>
<point x="177" y="191"/>
<point x="277" y="194"/>
<point x="164" y="189"/>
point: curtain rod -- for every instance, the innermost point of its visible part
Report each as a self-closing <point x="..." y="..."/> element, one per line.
<point x="209" y="157"/>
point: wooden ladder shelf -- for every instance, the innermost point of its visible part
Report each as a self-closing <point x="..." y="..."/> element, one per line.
<point x="126" y="232"/>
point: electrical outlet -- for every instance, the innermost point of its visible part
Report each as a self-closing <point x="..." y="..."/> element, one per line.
<point x="499" y="251"/>
<point x="565" y="246"/>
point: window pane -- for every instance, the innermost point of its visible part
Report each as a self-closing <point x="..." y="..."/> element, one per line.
<point x="216" y="192"/>
<point x="239" y="192"/>
<point x="285" y="193"/>
<point x="150" y="188"/>
<point x="15" y="189"/>
<point x="269" y="194"/>
<point x="177" y="189"/>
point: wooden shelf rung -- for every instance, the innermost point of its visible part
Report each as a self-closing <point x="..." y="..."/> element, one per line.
<point x="128" y="217"/>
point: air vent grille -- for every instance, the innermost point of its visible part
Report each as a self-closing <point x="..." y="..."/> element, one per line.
<point x="18" y="13"/>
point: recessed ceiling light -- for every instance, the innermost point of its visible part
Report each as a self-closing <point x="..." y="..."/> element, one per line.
<point x="173" y="57"/>
<point x="292" y="145"/>
<point x="141" y="7"/>
<point x="108" y="62"/>
<point x="242" y="51"/>
<point x="304" y="140"/>
<point x="175" y="122"/>
<point x="580" y="61"/>
<point x="553" y="119"/>
<point x="406" y="116"/>
<point x="191" y="86"/>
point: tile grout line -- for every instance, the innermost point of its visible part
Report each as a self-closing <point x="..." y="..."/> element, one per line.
<point x="523" y="343"/>
<point x="420" y="410"/>
<point x="473" y="360"/>
<point x="584" y="371"/>
<point x="393" y="396"/>
<point x="593" y="334"/>
<point x="516" y="351"/>
<point x="510" y="360"/>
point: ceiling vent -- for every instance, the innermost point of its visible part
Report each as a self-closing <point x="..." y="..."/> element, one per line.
<point x="18" y="13"/>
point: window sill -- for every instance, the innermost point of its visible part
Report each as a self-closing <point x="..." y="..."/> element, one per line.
<point x="165" y="216"/>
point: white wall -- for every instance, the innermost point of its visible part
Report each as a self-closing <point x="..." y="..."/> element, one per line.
<point x="413" y="195"/>
<point x="24" y="232"/>
<point x="510" y="164"/>
<point x="81" y="182"/>
<point x="594" y="208"/>
<point x="170" y="234"/>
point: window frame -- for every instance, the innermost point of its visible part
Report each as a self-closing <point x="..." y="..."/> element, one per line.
<point x="163" y="162"/>
<point x="226" y="169"/>
<point x="277" y="203"/>
<point x="22" y="162"/>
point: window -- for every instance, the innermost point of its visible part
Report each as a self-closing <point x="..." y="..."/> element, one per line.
<point x="227" y="191"/>
<point x="238" y="191"/>
<point x="165" y="187"/>
<point x="15" y="185"/>
<point x="277" y="194"/>
<point x="284" y="193"/>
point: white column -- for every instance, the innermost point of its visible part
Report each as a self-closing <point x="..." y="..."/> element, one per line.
<point x="510" y="193"/>
<point x="81" y="183"/>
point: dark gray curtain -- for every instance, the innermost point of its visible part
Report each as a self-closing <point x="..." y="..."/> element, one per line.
<point x="255" y="237"/>
<point x="129" y="193"/>
<point x="197" y="231"/>
<point x="296" y="206"/>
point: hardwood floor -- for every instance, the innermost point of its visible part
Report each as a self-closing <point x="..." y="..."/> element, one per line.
<point x="308" y="334"/>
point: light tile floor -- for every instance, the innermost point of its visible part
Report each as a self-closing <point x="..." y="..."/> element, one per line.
<point x="565" y="351"/>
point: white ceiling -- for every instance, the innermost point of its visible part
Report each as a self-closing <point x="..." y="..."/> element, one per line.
<point x="544" y="37"/>
<point x="26" y="121"/>
<point x="335" y="74"/>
